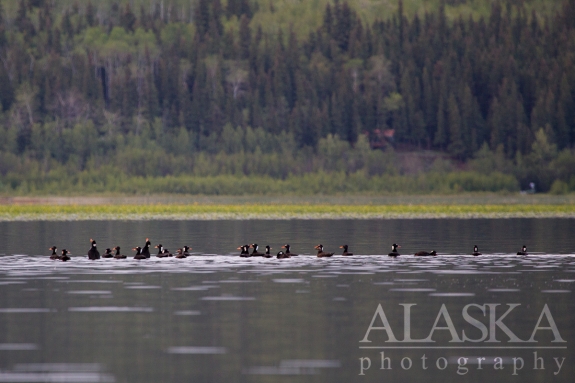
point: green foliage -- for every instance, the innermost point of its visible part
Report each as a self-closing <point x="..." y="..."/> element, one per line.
<point x="543" y="151"/>
<point x="108" y="179"/>
<point x="487" y="161"/>
<point x="287" y="89"/>
<point x="559" y="187"/>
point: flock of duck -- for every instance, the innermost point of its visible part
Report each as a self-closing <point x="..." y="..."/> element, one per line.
<point x="144" y="252"/>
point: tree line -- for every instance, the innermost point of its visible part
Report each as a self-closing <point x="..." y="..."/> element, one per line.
<point x="80" y="91"/>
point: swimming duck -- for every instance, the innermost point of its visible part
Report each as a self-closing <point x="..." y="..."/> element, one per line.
<point x="160" y="251"/>
<point x="256" y="253"/>
<point x="146" y="249"/>
<point x="523" y="251"/>
<point x="425" y="253"/>
<point x="288" y="252"/>
<point x="321" y="253"/>
<point x="118" y="255"/>
<point x="167" y="253"/>
<point x="180" y="254"/>
<point x="267" y="254"/>
<point x="54" y="256"/>
<point x="282" y="255"/>
<point x="107" y="254"/>
<point x="394" y="252"/>
<point x="475" y="251"/>
<point x="186" y="252"/>
<point x="139" y="254"/>
<point x="93" y="253"/>
<point x="345" y="252"/>
<point x="244" y="251"/>
<point x="64" y="257"/>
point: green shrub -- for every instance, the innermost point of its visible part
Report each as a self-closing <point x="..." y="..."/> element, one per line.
<point x="559" y="187"/>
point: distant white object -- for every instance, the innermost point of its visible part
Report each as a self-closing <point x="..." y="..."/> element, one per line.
<point x="531" y="189"/>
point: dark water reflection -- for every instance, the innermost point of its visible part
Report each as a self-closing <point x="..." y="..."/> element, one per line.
<point x="450" y="236"/>
<point x="227" y="319"/>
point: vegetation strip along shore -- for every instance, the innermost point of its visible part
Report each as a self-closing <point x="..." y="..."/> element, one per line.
<point x="280" y="211"/>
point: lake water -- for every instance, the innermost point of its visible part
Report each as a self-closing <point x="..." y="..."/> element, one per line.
<point x="217" y="317"/>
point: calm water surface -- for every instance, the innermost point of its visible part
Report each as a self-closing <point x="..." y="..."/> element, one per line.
<point x="217" y="317"/>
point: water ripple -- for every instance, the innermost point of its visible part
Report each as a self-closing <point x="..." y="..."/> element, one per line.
<point x="196" y="350"/>
<point x="23" y="269"/>
<point x="228" y="298"/>
<point x="18" y="346"/>
<point x="21" y="310"/>
<point x="111" y="309"/>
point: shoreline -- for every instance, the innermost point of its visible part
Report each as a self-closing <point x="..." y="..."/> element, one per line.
<point x="349" y="199"/>
<point x="12" y="213"/>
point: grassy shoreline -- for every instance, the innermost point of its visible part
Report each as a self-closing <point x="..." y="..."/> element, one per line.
<point x="244" y="208"/>
<point x="470" y="198"/>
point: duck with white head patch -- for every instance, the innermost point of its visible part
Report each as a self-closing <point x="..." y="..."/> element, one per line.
<point x="394" y="252"/>
<point x="93" y="253"/>
<point x="476" y="251"/>
<point x="139" y="254"/>
<point x="54" y="256"/>
<point x="244" y="253"/>
<point x="321" y="253"/>
<point x="160" y="251"/>
<point x="282" y="255"/>
<point x="64" y="257"/>
<point x="255" y="252"/>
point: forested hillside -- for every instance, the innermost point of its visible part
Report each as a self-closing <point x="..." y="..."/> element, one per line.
<point x="96" y="94"/>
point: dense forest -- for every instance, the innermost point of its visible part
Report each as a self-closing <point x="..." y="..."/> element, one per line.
<point x="105" y="97"/>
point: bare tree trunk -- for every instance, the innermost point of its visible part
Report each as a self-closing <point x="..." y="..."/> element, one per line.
<point x="31" y="65"/>
<point x="7" y="66"/>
